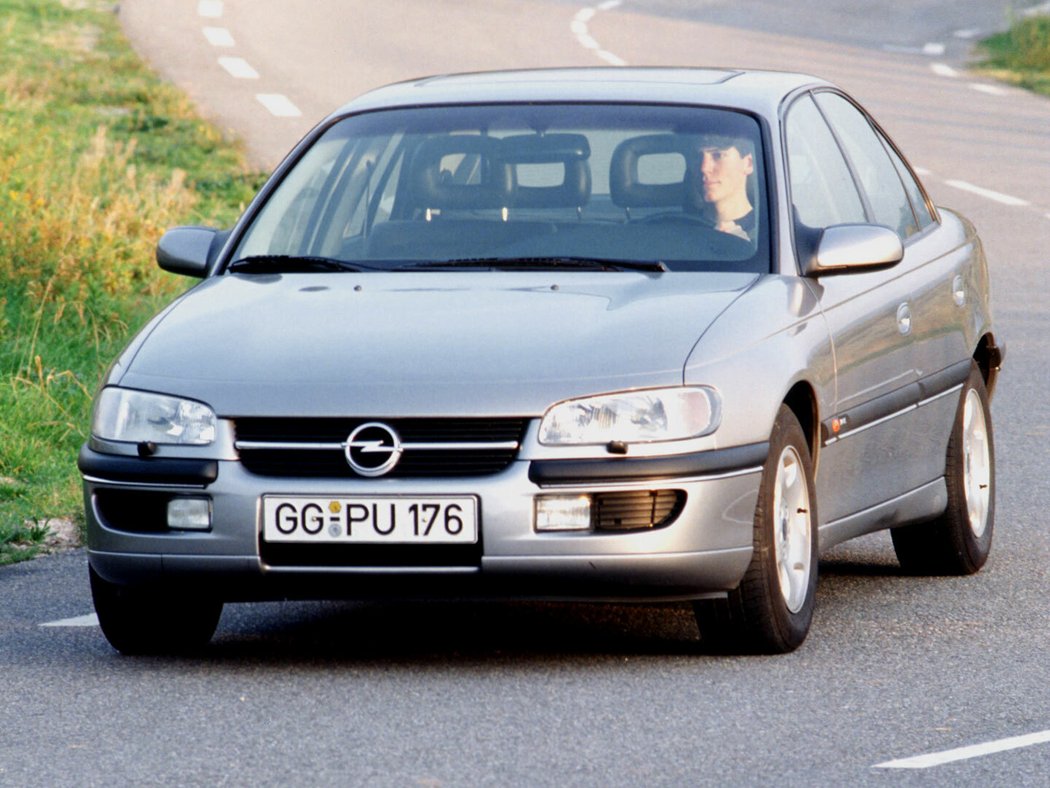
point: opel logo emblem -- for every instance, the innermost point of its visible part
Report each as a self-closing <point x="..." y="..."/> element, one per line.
<point x="373" y="449"/>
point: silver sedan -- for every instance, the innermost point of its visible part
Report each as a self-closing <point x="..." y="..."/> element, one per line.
<point x="603" y="334"/>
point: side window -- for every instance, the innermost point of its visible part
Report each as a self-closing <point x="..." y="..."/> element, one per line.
<point x="822" y="189"/>
<point x="878" y="176"/>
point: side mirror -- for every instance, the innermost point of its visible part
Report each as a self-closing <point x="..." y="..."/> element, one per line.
<point x="845" y="248"/>
<point x="189" y="251"/>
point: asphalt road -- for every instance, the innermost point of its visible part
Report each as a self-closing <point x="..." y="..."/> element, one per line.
<point x="529" y="694"/>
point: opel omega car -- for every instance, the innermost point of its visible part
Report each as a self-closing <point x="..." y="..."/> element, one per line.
<point x="590" y="334"/>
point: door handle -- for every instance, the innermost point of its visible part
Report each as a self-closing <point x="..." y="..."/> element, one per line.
<point x="904" y="318"/>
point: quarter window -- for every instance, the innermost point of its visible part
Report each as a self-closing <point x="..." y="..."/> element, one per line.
<point x="915" y="191"/>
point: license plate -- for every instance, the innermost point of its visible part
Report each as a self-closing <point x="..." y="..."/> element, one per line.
<point x="371" y="520"/>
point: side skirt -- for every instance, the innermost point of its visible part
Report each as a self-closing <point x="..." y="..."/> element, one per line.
<point x="923" y="503"/>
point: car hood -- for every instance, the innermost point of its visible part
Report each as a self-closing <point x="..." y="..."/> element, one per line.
<point x="426" y="343"/>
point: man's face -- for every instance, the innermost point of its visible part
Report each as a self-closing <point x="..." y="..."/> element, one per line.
<point x="724" y="173"/>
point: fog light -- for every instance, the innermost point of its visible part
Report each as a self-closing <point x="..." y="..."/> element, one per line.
<point x="189" y="514"/>
<point x="563" y="513"/>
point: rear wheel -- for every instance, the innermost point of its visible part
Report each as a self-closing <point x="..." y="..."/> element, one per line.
<point x="959" y="541"/>
<point x="146" y="620"/>
<point x="771" y="611"/>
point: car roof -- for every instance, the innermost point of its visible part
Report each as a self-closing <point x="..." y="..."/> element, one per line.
<point x="756" y="91"/>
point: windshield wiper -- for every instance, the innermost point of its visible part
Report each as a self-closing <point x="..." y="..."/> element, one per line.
<point x="289" y="264"/>
<point x="536" y="263"/>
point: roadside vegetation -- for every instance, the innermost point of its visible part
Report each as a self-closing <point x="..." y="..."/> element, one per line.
<point x="1021" y="55"/>
<point x="97" y="158"/>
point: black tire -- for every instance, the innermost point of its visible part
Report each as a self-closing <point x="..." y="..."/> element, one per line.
<point x="146" y="620"/>
<point x="770" y="612"/>
<point x="959" y="541"/>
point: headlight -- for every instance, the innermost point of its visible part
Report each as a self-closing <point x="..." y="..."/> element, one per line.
<point x="139" y="417"/>
<point x="633" y="417"/>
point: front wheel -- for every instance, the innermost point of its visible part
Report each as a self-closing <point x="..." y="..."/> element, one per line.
<point x="959" y="541"/>
<point x="771" y="610"/>
<point x="146" y="620"/>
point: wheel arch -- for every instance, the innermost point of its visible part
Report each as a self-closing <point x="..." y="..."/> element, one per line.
<point x="989" y="358"/>
<point x="802" y="401"/>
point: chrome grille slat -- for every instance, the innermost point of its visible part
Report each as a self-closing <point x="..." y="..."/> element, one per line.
<point x="432" y="447"/>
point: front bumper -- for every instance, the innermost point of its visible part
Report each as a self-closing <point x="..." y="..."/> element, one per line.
<point x="705" y="550"/>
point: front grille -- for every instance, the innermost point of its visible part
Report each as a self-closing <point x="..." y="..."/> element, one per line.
<point x="638" y="509"/>
<point x="295" y="457"/>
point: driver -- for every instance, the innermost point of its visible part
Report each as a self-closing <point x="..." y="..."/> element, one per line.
<point x="725" y="165"/>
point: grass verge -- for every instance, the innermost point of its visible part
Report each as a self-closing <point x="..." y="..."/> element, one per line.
<point x="1020" y="55"/>
<point x="97" y="157"/>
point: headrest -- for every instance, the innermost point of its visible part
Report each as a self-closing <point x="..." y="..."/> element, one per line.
<point x="438" y="184"/>
<point x="626" y="186"/>
<point x="571" y="186"/>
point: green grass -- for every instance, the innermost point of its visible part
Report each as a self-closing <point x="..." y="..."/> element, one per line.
<point x="1021" y="55"/>
<point x="98" y="158"/>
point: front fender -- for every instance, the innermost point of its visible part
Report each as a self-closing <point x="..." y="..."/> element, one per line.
<point x="756" y="352"/>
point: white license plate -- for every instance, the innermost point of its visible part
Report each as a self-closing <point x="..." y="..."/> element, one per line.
<point x="371" y="520"/>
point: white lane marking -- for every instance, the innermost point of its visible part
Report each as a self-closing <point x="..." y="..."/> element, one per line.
<point x="999" y="197"/>
<point x="578" y="27"/>
<point x="587" y="42"/>
<point x="966" y="753"/>
<point x="209" y="9"/>
<point x="90" y="620"/>
<point x="610" y="58"/>
<point x="238" y="67"/>
<point x="218" y="36"/>
<point x="921" y="171"/>
<point x="967" y="34"/>
<point x="278" y="105"/>
<point x="930" y="50"/>
<point x="943" y="70"/>
<point x="991" y="90"/>
<point x="1037" y="10"/>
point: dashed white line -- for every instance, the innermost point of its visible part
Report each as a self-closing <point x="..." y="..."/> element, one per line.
<point x="238" y="67"/>
<point x="966" y="753"/>
<point x="933" y="49"/>
<point x="210" y="9"/>
<point x="1038" y="10"/>
<point x="999" y="197"/>
<point x="218" y="36"/>
<point x="90" y="620"/>
<point x="610" y="58"/>
<point x="580" y="30"/>
<point x="991" y="90"/>
<point x="278" y="105"/>
<point x="944" y="70"/>
<point x="587" y="42"/>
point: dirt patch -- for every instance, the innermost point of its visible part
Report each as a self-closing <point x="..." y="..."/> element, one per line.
<point x="63" y="534"/>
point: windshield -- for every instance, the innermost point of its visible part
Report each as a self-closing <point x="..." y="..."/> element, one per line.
<point x="500" y="184"/>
